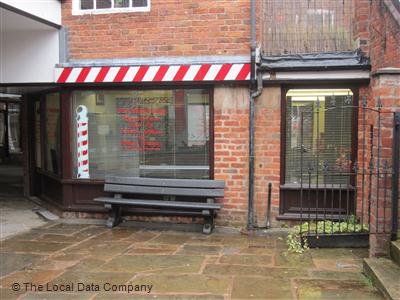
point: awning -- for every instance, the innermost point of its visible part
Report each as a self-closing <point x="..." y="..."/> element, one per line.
<point x="316" y="62"/>
<point x="160" y="73"/>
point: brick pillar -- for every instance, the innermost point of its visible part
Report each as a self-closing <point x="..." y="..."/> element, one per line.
<point x="361" y="24"/>
<point x="267" y="152"/>
<point x="386" y="87"/>
<point x="231" y="155"/>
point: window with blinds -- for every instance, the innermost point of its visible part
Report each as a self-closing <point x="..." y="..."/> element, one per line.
<point x="153" y="133"/>
<point x="318" y="136"/>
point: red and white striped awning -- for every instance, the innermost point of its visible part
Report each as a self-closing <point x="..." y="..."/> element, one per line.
<point x="163" y="73"/>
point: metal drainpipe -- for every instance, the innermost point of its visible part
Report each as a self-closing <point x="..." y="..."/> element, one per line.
<point x="255" y="91"/>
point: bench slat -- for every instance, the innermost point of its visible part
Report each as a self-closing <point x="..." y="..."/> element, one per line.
<point x="160" y="203"/>
<point x="156" y="190"/>
<point x="184" y="183"/>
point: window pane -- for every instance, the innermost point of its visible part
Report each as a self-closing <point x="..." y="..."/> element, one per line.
<point x="161" y="133"/>
<point x="52" y="134"/>
<point x="14" y="127"/>
<point x="317" y="137"/>
<point x="139" y="3"/>
<point x="38" y="153"/>
<point x="87" y="4"/>
<point x="103" y="4"/>
<point x="121" y="3"/>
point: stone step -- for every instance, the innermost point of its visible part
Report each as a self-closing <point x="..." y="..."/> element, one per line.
<point x="395" y="251"/>
<point x="385" y="275"/>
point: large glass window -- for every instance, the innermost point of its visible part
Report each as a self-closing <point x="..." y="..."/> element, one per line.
<point x="154" y="133"/>
<point x="318" y="135"/>
<point x="52" y="133"/>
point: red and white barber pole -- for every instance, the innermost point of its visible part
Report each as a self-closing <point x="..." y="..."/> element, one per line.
<point x="82" y="141"/>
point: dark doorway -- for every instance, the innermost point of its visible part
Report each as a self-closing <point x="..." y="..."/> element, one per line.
<point x="11" y="170"/>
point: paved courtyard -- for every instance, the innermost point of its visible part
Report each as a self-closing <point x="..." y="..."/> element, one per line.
<point x="16" y="212"/>
<point x="74" y="261"/>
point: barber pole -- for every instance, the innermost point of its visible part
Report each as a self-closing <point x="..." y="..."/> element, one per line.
<point x="82" y="141"/>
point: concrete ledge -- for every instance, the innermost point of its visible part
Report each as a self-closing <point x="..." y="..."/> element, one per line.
<point x="386" y="71"/>
<point x="385" y="274"/>
<point x="395" y="252"/>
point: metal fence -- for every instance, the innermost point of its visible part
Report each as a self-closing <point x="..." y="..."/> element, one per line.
<point x="358" y="192"/>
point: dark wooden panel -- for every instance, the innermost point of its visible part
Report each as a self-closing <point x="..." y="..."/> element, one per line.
<point x="330" y="202"/>
<point x="184" y="183"/>
<point x="154" y="190"/>
<point x="84" y="194"/>
<point x="51" y="188"/>
<point x="158" y="203"/>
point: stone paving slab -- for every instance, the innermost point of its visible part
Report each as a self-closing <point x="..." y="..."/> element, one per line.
<point x="334" y="289"/>
<point x="177" y="265"/>
<point x="17" y="215"/>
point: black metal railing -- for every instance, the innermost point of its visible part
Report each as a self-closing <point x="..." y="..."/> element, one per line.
<point x="357" y="193"/>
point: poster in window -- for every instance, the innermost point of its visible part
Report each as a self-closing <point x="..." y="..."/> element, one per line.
<point x="197" y="124"/>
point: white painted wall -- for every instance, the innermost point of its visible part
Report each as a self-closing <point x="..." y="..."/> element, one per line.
<point x="28" y="56"/>
<point x="49" y="10"/>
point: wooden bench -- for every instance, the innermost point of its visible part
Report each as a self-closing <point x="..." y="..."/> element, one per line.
<point x="195" y="197"/>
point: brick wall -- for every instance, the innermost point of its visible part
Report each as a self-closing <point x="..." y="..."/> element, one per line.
<point x="361" y="24"/>
<point x="386" y="87"/>
<point x="377" y="26"/>
<point x="267" y="152"/>
<point x="171" y="28"/>
<point x="231" y="156"/>
<point x="384" y="36"/>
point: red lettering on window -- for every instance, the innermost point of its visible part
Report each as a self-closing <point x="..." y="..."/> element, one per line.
<point x="129" y="131"/>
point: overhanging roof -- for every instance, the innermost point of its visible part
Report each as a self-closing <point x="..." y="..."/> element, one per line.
<point x="319" y="61"/>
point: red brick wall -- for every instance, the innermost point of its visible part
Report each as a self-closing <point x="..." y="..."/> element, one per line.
<point x="385" y="87"/>
<point x="361" y="24"/>
<point x="384" y="37"/>
<point x="267" y="152"/>
<point x="379" y="31"/>
<point x="171" y="28"/>
<point x="231" y="156"/>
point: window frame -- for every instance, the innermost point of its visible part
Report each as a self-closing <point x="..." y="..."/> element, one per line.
<point x="77" y="11"/>
<point x="41" y="169"/>
<point x="285" y="189"/>
<point x="354" y="128"/>
<point x="69" y="91"/>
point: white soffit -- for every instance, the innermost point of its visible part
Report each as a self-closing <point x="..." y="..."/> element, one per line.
<point x="49" y="10"/>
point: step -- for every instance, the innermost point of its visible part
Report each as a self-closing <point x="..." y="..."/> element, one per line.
<point x="385" y="275"/>
<point x="395" y="251"/>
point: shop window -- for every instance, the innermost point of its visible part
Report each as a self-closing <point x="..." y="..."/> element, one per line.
<point x="52" y="134"/>
<point x="109" y="6"/>
<point x="318" y="135"/>
<point x="154" y="133"/>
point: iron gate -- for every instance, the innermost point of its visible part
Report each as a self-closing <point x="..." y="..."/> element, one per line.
<point x="348" y="184"/>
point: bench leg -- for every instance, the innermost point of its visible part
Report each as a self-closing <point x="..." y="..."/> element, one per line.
<point x="208" y="225"/>
<point x="114" y="215"/>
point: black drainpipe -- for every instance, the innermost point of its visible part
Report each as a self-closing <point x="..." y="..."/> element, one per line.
<point x="255" y="91"/>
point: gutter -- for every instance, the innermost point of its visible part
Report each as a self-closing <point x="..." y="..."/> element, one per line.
<point x="256" y="86"/>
